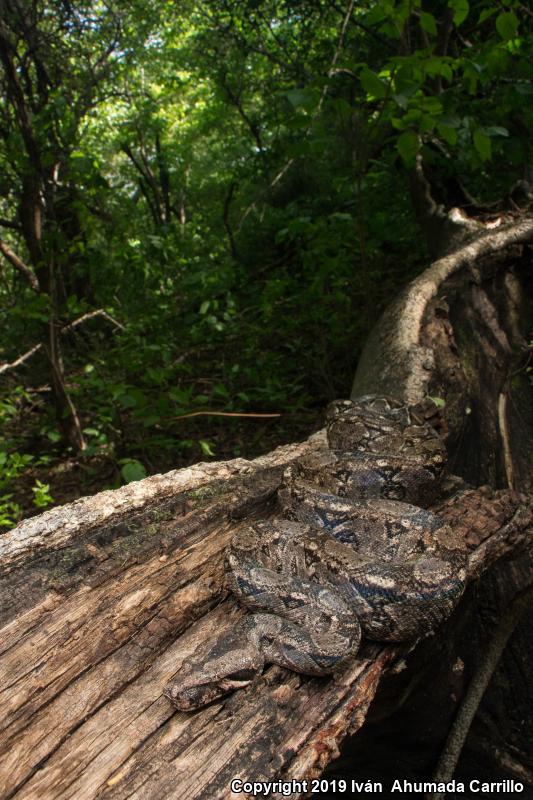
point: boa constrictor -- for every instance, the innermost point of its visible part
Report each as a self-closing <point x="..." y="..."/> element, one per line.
<point x="354" y="553"/>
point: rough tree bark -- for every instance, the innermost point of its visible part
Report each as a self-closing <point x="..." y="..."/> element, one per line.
<point x="101" y="600"/>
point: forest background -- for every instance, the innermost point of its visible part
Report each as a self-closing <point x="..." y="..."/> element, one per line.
<point x="205" y="206"/>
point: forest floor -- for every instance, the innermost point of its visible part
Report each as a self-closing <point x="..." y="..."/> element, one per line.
<point x="74" y="476"/>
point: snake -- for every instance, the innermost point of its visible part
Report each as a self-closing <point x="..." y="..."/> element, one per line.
<point x="351" y="553"/>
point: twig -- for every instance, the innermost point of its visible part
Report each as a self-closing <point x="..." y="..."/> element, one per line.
<point x="20" y="360"/>
<point x="221" y="414"/>
<point x="65" y="329"/>
<point x="461" y="725"/>
<point x="90" y="315"/>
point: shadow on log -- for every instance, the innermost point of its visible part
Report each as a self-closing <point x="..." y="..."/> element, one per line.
<point x="101" y="600"/>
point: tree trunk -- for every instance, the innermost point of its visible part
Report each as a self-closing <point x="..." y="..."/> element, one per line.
<point x="462" y="332"/>
<point x="101" y="600"/>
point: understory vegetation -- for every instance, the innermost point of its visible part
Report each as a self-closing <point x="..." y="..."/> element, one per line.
<point x="205" y="206"/>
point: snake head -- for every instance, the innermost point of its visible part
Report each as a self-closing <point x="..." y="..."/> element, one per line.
<point x="231" y="663"/>
<point x="187" y="695"/>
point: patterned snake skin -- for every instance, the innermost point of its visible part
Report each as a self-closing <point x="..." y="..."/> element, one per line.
<point x="354" y="553"/>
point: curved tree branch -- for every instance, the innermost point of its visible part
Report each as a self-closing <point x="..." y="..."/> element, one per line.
<point x="20" y="266"/>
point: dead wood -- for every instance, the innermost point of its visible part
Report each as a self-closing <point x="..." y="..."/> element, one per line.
<point x="101" y="600"/>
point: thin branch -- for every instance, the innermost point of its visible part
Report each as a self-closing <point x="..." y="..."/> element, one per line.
<point x="20" y="360"/>
<point x="91" y="315"/>
<point x="147" y="183"/>
<point x="325" y="90"/>
<point x="19" y="265"/>
<point x="222" y="414"/>
<point x="227" y="221"/>
<point x="70" y="326"/>
<point x="366" y="28"/>
<point x="236" y="100"/>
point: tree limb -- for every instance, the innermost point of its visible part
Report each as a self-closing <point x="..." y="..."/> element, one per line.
<point x="20" y="360"/>
<point x="19" y="265"/>
<point x="100" y="312"/>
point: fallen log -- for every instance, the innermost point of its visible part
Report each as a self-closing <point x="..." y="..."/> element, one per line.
<point x="102" y="599"/>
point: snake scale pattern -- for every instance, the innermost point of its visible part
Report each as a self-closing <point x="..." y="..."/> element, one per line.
<point x="353" y="553"/>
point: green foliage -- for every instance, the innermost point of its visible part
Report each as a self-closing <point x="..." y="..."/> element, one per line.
<point x="41" y="494"/>
<point x="132" y="470"/>
<point x="12" y="466"/>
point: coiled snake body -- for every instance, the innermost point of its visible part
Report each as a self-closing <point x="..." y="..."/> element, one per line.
<point x="353" y="553"/>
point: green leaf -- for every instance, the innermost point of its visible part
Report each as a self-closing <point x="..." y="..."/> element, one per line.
<point x="407" y="145"/>
<point x="450" y="121"/>
<point x="431" y="105"/>
<point x="127" y="401"/>
<point x="448" y="134"/>
<point x="300" y="98"/>
<point x="206" y="448"/>
<point x="133" y="471"/>
<point x="438" y="66"/>
<point x="496" y="130"/>
<point x="482" y="144"/>
<point x="427" y="21"/>
<point x="427" y="123"/>
<point x="296" y="97"/>
<point x="221" y="390"/>
<point x="372" y="85"/>
<point x="150" y="420"/>
<point x="460" y="10"/>
<point x="486" y="13"/>
<point x="507" y="25"/>
<point x="439" y="401"/>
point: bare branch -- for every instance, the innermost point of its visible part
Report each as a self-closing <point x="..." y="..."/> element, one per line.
<point x="20" y="360"/>
<point x="65" y="329"/>
<point x="91" y="315"/>
<point x="236" y="99"/>
<point x="19" y="265"/>
<point x="223" y="414"/>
